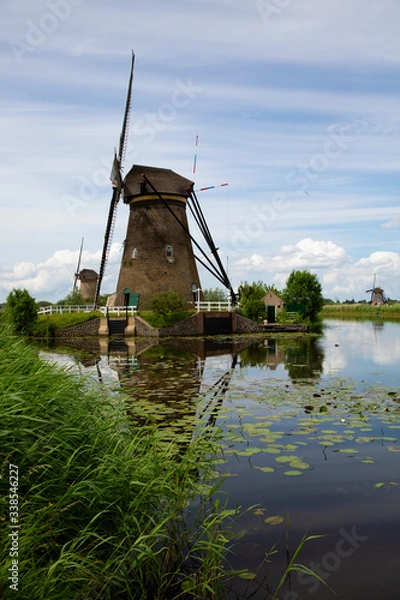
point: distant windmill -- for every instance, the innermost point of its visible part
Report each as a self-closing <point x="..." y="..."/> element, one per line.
<point x="377" y="295"/>
<point x="87" y="277"/>
<point x="76" y="276"/>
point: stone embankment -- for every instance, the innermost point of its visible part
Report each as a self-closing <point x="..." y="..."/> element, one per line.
<point x="198" y="324"/>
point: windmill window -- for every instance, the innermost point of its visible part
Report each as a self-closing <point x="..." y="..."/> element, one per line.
<point x="134" y="253"/>
<point x="169" y="252"/>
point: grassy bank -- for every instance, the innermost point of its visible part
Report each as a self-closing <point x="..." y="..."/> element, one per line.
<point x="101" y="502"/>
<point x="361" y="310"/>
<point x="47" y="324"/>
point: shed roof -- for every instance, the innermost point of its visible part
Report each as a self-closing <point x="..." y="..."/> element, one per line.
<point x="164" y="180"/>
<point x="271" y="296"/>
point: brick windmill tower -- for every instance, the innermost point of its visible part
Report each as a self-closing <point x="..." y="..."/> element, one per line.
<point x="158" y="254"/>
<point x="158" y="249"/>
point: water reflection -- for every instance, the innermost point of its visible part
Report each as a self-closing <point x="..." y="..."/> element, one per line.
<point x="302" y="357"/>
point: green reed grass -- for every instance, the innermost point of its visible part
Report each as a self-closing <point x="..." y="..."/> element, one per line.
<point x="102" y="502"/>
<point x="342" y="311"/>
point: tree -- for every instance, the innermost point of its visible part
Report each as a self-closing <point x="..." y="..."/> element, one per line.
<point x="21" y="310"/>
<point x="214" y="295"/>
<point x="303" y="287"/>
<point x="252" y="305"/>
<point x="74" y="298"/>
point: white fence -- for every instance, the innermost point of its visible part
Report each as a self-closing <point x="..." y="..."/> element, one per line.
<point x="123" y="310"/>
<point x="118" y="310"/>
<point x="211" y="306"/>
<point x="86" y="308"/>
<point x="60" y="309"/>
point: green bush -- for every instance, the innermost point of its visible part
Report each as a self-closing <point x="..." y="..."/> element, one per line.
<point x="156" y="320"/>
<point x="163" y="303"/>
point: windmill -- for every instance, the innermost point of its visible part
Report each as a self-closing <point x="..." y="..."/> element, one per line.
<point x="87" y="277"/>
<point x="377" y="296"/>
<point x="158" y="251"/>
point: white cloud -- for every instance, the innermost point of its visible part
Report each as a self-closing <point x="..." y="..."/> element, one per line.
<point x="53" y="278"/>
<point x="340" y="275"/>
<point x="309" y="254"/>
<point x="393" y="223"/>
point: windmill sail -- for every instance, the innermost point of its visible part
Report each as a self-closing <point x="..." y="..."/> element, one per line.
<point x="78" y="266"/>
<point x="116" y="182"/>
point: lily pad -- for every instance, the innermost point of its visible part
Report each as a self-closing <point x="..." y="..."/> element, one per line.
<point x="284" y="459"/>
<point x="299" y="464"/>
<point x="271" y="450"/>
<point x="275" y="520"/>
<point x="265" y="469"/>
<point x="293" y="473"/>
<point x="259" y="511"/>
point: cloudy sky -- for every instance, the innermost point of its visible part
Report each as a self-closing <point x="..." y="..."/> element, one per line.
<point x="295" y="102"/>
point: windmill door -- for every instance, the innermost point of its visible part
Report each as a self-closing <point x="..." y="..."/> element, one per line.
<point x="131" y="298"/>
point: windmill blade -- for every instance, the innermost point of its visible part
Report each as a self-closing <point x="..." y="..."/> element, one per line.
<point x="78" y="266"/>
<point x="117" y="184"/>
<point x="202" y="224"/>
<point x="125" y="125"/>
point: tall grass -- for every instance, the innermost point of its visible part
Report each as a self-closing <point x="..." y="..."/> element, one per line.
<point x="101" y="501"/>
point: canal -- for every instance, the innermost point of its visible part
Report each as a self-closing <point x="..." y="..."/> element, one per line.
<point x="310" y="430"/>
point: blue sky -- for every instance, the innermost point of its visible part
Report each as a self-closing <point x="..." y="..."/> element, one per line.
<point x="295" y="102"/>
